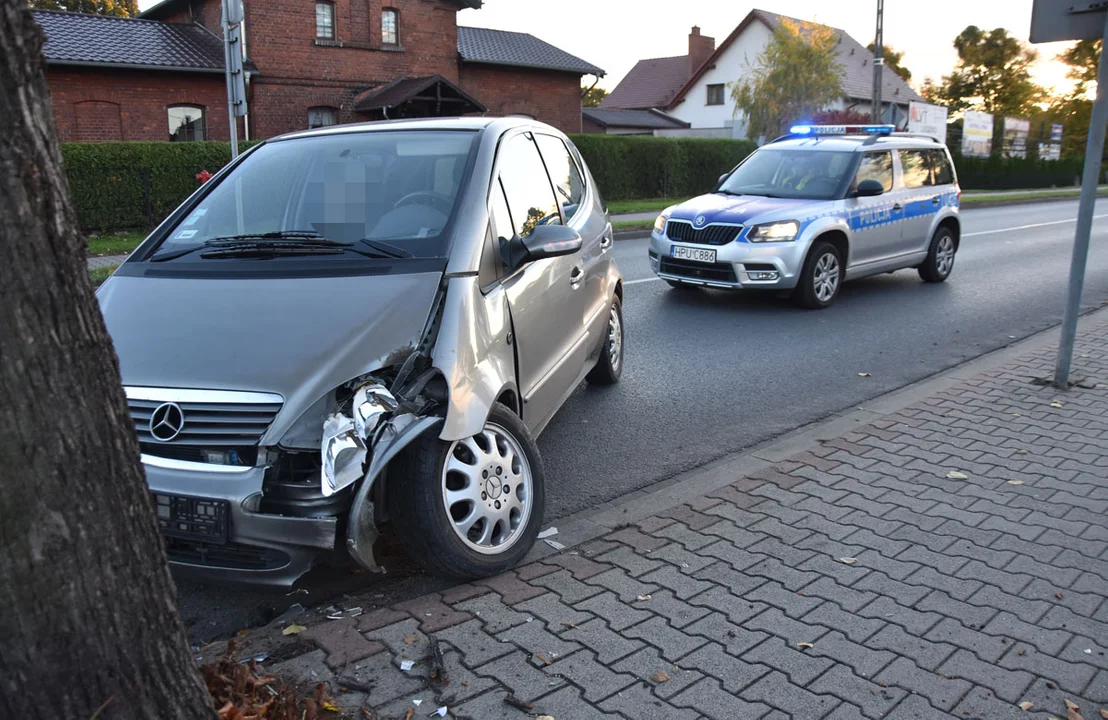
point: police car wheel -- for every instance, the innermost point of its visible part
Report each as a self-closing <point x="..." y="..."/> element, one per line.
<point x="940" y="257"/>
<point x="821" y="278"/>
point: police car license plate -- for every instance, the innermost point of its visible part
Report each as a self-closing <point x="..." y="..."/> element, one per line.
<point x="694" y="254"/>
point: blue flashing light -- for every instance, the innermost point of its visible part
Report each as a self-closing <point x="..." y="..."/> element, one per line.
<point x="800" y="130"/>
<point x="805" y="130"/>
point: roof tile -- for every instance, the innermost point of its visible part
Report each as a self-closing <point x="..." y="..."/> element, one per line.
<point x="500" y="47"/>
<point x="646" y="119"/>
<point x="651" y="83"/>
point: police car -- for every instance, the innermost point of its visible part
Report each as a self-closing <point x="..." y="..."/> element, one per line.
<point x="819" y="206"/>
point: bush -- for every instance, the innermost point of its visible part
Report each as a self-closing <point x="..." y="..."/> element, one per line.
<point x="122" y="185"/>
<point x="998" y="173"/>
<point x="632" y="168"/>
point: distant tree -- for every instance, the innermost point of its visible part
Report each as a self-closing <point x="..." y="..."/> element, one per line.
<point x="119" y="8"/>
<point x="592" y="97"/>
<point x="840" y="117"/>
<point x="993" y="75"/>
<point x="1074" y="111"/>
<point x="796" y="76"/>
<point x="893" y="61"/>
<point x="1083" y="59"/>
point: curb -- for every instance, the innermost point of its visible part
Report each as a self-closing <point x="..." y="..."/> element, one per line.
<point x="682" y="488"/>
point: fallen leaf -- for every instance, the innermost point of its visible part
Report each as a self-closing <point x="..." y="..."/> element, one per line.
<point x="1104" y="714"/>
<point x="293" y="629"/>
<point x="1056" y="404"/>
<point x="642" y="598"/>
<point x="1021" y="452"/>
<point x="1059" y="595"/>
<point x="1072" y="711"/>
<point x="955" y="475"/>
<point x="542" y="657"/>
<point x="569" y="625"/>
<point x="328" y="705"/>
<point x="805" y="645"/>
<point x="1015" y="482"/>
<point x="848" y="561"/>
<point x="410" y="639"/>
<point x="865" y="374"/>
<point x="544" y="717"/>
<point x="660" y="677"/>
<point x="408" y="715"/>
<point x="1026" y="705"/>
<point x="1017" y="414"/>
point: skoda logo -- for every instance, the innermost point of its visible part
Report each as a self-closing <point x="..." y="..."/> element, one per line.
<point x="167" y="421"/>
<point x="700" y="221"/>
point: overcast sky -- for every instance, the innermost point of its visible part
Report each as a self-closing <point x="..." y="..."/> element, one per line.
<point x="615" y="34"/>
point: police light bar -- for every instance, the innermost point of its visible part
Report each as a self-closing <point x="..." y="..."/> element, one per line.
<point x="842" y="129"/>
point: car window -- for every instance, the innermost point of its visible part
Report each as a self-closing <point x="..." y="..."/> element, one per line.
<point x="564" y="174"/>
<point x="876" y="166"/>
<point x="941" y="167"/>
<point x="530" y="198"/>
<point x="916" y="168"/>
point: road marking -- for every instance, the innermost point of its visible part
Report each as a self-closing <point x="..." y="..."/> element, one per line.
<point x="965" y="235"/>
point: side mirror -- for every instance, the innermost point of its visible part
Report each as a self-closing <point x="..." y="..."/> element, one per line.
<point x="869" y="188"/>
<point x="545" y="241"/>
<point x="722" y="178"/>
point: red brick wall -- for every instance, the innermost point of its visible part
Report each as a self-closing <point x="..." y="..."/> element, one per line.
<point x="552" y="97"/>
<point x="94" y="104"/>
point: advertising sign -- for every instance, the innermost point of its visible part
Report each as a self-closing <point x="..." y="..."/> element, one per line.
<point x="977" y="134"/>
<point x="1056" y="133"/>
<point x="1016" y="132"/>
<point x="927" y="120"/>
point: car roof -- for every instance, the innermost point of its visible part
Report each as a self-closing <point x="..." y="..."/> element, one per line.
<point x="854" y="143"/>
<point x="451" y="123"/>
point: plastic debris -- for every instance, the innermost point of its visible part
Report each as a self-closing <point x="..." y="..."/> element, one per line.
<point x="805" y="645"/>
<point x="643" y="598"/>
<point x="549" y="532"/>
<point x="417" y="702"/>
<point x="289" y="614"/>
<point x="848" y="560"/>
<point x="554" y="544"/>
<point x="955" y="475"/>
<point x="441" y="712"/>
<point x="347" y="613"/>
<point x="293" y="629"/>
<point x="406" y="665"/>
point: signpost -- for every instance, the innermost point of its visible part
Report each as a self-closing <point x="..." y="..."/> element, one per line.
<point x="1053" y="21"/>
<point x="231" y="17"/>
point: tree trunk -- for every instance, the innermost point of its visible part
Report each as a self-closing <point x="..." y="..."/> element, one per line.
<point x="90" y="621"/>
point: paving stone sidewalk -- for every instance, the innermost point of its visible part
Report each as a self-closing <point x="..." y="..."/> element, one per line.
<point x="948" y="560"/>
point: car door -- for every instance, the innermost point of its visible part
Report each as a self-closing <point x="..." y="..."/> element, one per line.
<point x="545" y="297"/>
<point x="921" y="200"/>
<point x="873" y="219"/>
<point x="569" y="187"/>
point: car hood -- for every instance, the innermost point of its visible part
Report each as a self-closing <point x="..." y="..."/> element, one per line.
<point x="742" y="209"/>
<point x="297" y="337"/>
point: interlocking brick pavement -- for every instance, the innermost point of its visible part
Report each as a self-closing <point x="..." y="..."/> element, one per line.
<point x="857" y="579"/>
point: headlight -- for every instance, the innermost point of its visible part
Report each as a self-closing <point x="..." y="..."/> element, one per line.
<point x="660" y="224"/>
<point x="774" y="232"/>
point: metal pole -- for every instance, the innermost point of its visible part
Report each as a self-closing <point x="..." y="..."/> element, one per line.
<point x="1094" y="151"/>
<point x="230" y="90"/>
<point x="878" y="61"/>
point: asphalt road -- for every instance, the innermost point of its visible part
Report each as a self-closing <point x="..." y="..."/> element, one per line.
<point x="709" y="373"/>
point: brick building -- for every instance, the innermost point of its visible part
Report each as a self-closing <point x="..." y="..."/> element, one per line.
<point x="309" y="63"/>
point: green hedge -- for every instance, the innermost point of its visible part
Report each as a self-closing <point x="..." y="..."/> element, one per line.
<point x="632" y="168"/>
<point x="997" y="173"/>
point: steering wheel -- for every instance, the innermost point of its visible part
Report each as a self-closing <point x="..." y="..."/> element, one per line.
<point x="440" y="202"/>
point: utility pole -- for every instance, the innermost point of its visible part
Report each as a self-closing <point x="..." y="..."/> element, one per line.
<point x="878" y="62"/>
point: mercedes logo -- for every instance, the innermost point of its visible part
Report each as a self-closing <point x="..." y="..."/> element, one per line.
<point x="167" y="422"/>
<point x="701" y="220"/>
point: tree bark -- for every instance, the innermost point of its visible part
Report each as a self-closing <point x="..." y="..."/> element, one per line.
<point x="91" y="628"/>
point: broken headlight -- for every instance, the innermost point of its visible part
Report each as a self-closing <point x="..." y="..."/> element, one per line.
<point x="347" y="437"/>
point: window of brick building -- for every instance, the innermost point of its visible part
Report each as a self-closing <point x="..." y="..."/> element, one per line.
<point x="390" y="26"/>
<point x="322" y="116"/>
<point x="715" y="94"/>
<point x="186" y="123"/>
<point x="325" y="20"/>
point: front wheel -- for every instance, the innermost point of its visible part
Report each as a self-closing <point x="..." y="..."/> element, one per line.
<point x="821" y="277"/>
<point x="469" y="508"/>
<point x="610" y="365"/>
<point x="940" y="257"/>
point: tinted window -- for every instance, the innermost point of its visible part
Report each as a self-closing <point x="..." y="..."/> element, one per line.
<point x="916" y="166"/>
<point x="530" y="198"/>
<point x="813" y="174"/>
<point x="941" y="167"/>
<point x="565" y="176"/>
<point x="876" y="166"/>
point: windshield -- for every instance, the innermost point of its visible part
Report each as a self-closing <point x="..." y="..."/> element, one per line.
<point x="356" y="195"/>
<point x="809" y="174"/>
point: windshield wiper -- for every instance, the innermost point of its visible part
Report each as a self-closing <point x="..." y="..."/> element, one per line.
<point x="385" y="249"/>
<point x="284" y="242"/>
<point x="250" y="240"/>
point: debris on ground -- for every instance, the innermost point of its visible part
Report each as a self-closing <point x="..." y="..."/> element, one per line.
<point x="660" y="677"/>
<point x="955" y="475"/>
<point x="437" y="665"/>
<point x="243" y="691"/>
<point x="554" y="544"/>
<point x="547" y="533"/>
<point x="293" y="629"/>
<point x="517" y="703"/>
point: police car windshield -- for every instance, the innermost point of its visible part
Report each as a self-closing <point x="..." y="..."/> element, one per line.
<point x="786" y="173"/>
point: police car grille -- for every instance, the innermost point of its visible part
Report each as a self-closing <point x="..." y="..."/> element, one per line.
<point x="707" y="235"/>
<point x="719" y="272"/>
<point x="207" y="424"/>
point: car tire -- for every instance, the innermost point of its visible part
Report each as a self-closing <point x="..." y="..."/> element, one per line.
<point x="430" y="470"/>
<point x="609" y="366"/>
<point x="821" y="278"/>
<point x="940" y="257"/>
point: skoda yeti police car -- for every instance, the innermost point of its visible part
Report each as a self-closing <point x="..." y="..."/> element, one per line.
<point x="819" y="206"/>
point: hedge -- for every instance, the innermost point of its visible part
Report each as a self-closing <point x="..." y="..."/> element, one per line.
<point x="998" y="173"/>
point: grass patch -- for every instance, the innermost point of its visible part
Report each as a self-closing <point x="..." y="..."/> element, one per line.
<point x="617" y="207"/>
<point x="980" y="197"/>
<point x="115" y="243"/>
<point x="99" y="275"/>
<point x="628" y="225"/>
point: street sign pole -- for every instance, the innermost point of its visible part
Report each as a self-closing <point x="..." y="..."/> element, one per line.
<point x="1094" y="151"/>
<point x="230" y="92"/>
<point x="878" y="63"/>
<point x="231" y="17"/>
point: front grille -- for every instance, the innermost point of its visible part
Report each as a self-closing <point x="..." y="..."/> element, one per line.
<point x="242" y="456"/>
<point x="212" y="424"/>
<point x="236" y="557"/>
<point x="719" y="272"/>
<point x="707" y="235"/>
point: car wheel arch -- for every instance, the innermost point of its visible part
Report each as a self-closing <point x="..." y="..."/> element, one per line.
<point x="951" y="223"/>
<point x="838" y="240"/>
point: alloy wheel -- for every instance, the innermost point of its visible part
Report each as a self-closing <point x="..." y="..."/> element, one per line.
<point x="944" y="255"/>
<point x="615" y="339"/>
<point x="825" y="279"/>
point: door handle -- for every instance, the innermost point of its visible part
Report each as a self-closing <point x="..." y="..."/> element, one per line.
<point x="898" y="206"/>
<point x="936" y="200"/>
<point x="605" y="242"/>
<point x="576" y="275"/>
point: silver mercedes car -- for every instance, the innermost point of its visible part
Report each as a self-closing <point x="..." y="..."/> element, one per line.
<point x="360" y="325"/>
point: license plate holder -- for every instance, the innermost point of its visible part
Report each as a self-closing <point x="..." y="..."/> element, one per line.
<point x="700" y="255"/>
<point x="195" y="519"/>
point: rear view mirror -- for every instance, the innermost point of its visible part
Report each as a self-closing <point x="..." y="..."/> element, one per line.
<point x="545" y="241"/>
<point x="722" y="178"/>
<point x="869" y="188"/>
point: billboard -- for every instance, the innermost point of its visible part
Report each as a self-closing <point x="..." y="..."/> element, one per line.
<point x="1050" y="151"/>
<point x="1056" y="133"/>
<point x="927" y="120"/>
<point x="977" y="134"/>
<point x="1016" y="132"/>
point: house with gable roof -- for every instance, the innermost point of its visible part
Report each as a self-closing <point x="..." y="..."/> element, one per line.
<point x="693" y="90"/>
